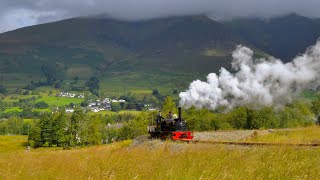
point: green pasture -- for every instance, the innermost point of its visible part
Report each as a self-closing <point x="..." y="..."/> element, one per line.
<point x="13" y="109"/>
<point x="59" y="101"/>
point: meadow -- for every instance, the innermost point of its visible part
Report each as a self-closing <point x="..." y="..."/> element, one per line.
<point x="299" y="135"/>
<point x="162" y="160"/>
<point x="59" y="101"/>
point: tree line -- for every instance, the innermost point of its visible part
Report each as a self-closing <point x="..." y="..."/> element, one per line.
<point x="80" y="129"/>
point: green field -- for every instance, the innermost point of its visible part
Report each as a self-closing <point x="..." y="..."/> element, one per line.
<point x="52" y="101"/>
<point x="163" y="160"/>
<point x="13" y="109"/>
<point x="59" y="101"/>
<point x="144" y="83"/>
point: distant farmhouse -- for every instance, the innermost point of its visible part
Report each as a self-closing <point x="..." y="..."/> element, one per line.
<point x="105" y="104"/>
<point x="69" y="110"/>
<point x="100" y="104"/>
<point x="150" y="107"/>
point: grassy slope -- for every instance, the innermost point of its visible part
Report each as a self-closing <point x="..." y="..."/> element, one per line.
<point x="164" y="161"/>
<point x="125" y="55"/>
<point x="12" y="143"/>
<point x="283" y="37"/>
<point x="303" y="135"/>
<point x="138" y="56"/>
<point x="59" y="101"/>
<point x="52" y="101"/>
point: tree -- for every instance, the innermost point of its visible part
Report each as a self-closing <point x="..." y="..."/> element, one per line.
<point x="175" y="91"/>
<point x="41" y="105"/>
<point x="116" y="107"/>
<point x="2" y="106"/>
<point x="26" y="93"/>
<point x="129" y="97"/>
<point x="135" y="127"/>
<point x="59" y="129"/>
<point x="131" y="105"/>
<point x="155" y="92"/>
<point x="74" y="130"/>
<point x="3" y="89"/>
<point x="34" y="138"/>
<point x="169" y="105"/>
<point x="94" y="131"/>
<point x="85" y="101"/>
<point x="46" y="129"/>
<point x="15" y="125"/>
<point x="50" y="72"/>
<point x="315" y="107"/>
<point x="3" y="127"/>
<point x="27" y="112"/>
<point x="93" y="84"/>
<point x="264" y="118"/>
<point x="238" y="118"/>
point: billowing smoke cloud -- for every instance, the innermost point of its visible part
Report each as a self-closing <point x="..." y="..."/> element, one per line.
<point x="19" y="13"/>
<point x="256" y="82"/>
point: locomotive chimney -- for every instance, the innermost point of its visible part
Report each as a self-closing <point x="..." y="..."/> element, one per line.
<point x="179" y="111"/>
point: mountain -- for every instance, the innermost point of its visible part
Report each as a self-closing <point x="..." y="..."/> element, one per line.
<point x="157" y="53"/>
<point x="110" y="48"/>
<point x="283" y="37"/>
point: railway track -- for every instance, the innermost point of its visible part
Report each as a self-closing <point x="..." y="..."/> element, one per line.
<point x="250" y="143"/>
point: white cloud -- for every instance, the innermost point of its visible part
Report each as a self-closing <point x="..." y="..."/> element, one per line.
<point x="17" y="18"/>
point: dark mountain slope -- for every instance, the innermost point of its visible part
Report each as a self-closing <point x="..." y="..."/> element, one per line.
<point x="284" y="37"/>
<point x="144" y="53"/>
<point x="101" y="42"/>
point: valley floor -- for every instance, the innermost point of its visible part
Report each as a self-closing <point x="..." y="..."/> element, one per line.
<point x="156" y="159"/>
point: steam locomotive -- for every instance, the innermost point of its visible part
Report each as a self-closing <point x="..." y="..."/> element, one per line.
<point x="174" y="129"/>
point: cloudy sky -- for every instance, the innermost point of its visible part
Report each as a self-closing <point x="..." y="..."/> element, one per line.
<point x="19" y="13"/>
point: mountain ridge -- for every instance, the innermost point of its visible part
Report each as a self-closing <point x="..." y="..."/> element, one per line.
<point x="174" y="46"/>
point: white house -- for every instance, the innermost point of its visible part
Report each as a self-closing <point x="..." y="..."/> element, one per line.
<point x="69" y="110"/>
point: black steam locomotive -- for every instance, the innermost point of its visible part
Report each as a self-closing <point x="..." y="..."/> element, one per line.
<point x="170" y="128"/>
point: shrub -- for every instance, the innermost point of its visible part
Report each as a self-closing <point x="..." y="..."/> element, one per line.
<point x="41" y="105"/>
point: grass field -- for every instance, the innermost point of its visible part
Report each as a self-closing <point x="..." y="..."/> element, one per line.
<point x="162" y="160"/>
<point x="144" y="83"/>
<point x="12" y="143"/>
<point x="59" y="101"/>
<point x="13" y="109"/>
<point x="302" y="135"/>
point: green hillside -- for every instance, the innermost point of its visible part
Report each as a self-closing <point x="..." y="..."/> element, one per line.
<point x="283" y="37"/>
<point x="142" y="55"/>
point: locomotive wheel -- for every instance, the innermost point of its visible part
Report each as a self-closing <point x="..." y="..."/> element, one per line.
<point x="163" y="137"/>
<point x="184" y="136"/>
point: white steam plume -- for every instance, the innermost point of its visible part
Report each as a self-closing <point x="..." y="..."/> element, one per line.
<point x="257" y="82"/>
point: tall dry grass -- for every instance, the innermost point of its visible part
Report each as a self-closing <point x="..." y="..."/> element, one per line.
<point x="163" y="160"/>
<point x="12" y="143"/>
<point x="299" y="135"/>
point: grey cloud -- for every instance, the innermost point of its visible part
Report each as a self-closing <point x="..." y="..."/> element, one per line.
<point x="41" y="11"/>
